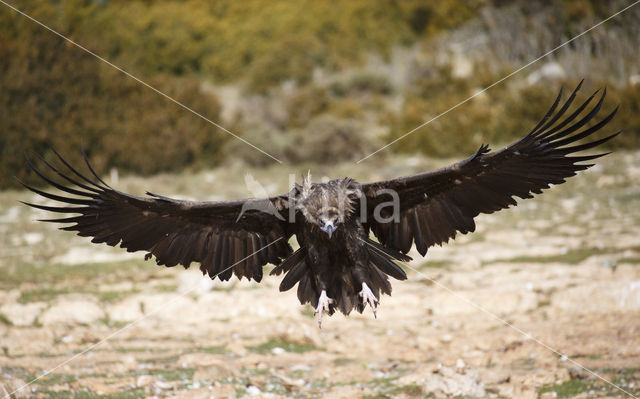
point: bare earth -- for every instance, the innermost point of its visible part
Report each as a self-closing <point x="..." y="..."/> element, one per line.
<point x="563" y="268"/>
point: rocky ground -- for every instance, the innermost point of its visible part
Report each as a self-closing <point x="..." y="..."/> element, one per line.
<point x="562" y="270"/>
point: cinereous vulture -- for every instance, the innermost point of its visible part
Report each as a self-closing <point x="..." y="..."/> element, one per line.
<point x="337" y="265"/>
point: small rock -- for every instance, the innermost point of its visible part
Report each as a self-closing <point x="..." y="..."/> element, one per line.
<point x="22" y="314"/>
<point x="210" y="368"/>
<point x="10" y="388"/>
<point x="67" y="339"/>
<point x="126" y="310"/>
<point x="237" y="348"/>
<point x="73" y="311"/>
<point x="278" y="350"/>
<point x="253" y="390"/>
<point x="144" y="380"/>
<point x="549" y="71"/>
<point x="446" y="338"/>
<point x="344" y="392"/>
<point x="451" y="383"/>
<point x="32" y="238"/>
<point x="164" y="385"/>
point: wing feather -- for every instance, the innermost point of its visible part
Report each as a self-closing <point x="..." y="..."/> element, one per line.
<point x="435" y="205"/>
<point x="173" y="231"/>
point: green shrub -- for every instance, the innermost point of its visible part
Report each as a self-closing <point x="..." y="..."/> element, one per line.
<point x="327" y="139"/>
<point x="53" y="94"/>
<point x="361" y="83"/>
<point x="305" y="104"/>
<point x="264" y="136"/>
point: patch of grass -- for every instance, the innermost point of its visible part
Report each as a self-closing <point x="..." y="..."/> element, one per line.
<point x="166" y="288"/>
<point x="279" y="343"/>
<point x="136" y="349"/>
<point x="57" y="379"/>
<point x="253" y="372"/>
<point x="571" y="257"/>
<point x="544" y="303"/>
<point x="387" y="387"/>
<point x="4" y="320"/>
<point x="567" y="389"/>
<point x="113" y="296"/>
<point x="172" y="374"/>
<point x="22" y="273"/>
<point x="172" y="359"/>
<point x="307" y="311"/>
<point x="341" y="361"/>
<point x="168" y="374"/>
<point x="631" y="260"/>
<point x="44" y="294"/>
<point x="47" y="293"/>
<point x="113" y="323"/>
<point x="412" y="391"/>
<point x="130" y="394"/>
<point x="628" y="371"/>
<point x="435" y="264"/>
<point x="525" y="363"/>
<point x="216" y="350"/>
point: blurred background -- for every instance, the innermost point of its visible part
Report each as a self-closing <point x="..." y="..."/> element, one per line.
<point x="306" y="81"/>
<point x="318" y="85"/>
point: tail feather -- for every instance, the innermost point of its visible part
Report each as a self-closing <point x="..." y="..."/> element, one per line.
<point x="387" y="266"/>
<point x="391" y="253"/>
<point x="290" y="262"/>
<point x="345" y="287"/>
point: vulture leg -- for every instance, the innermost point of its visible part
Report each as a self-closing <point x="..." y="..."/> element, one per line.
<point x="323" y="305"/>
<point x="369" y="298"/>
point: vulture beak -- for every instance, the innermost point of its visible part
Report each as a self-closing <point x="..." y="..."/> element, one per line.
<point x="329" y="228"/>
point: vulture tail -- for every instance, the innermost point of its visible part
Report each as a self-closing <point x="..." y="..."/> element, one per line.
<point x="295" y="267"/>
<point x="382" y="259"/>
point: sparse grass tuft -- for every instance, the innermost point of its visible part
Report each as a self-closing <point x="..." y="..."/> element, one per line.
<point x="567" y="389"/>
<point x="4" y="320"/>
<point x="279" y="343"/>
<point x="570" y="257"/>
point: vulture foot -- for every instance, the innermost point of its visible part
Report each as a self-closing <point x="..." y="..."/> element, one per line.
<point x="369" y="298"/>
<point x="323" y="305"/>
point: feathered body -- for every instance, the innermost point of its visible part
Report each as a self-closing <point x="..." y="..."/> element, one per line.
<point x="337" y="265"/>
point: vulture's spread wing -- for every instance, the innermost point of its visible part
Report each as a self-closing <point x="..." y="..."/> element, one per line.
<point x="224" y="237"/>
<point x="437" y="204"/>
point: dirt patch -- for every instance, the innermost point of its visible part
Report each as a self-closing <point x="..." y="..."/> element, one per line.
<point x="564" y="269"/>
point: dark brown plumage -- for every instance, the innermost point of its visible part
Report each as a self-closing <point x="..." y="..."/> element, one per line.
<point x="337" y="265"/>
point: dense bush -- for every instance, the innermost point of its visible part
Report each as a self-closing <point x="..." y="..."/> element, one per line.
<point x="500" y="116"/>
<point x="52" y="94"/>
<point x="313" y="79"/>
<point x="325" y="139"/>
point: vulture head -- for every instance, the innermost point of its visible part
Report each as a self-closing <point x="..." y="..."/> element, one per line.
<point x="328" y="205"/>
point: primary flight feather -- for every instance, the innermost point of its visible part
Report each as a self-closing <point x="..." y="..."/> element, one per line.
<point x="337" y="265"/>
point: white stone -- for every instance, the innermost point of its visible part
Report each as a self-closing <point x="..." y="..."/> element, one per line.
<point x="549" y="71"/>
<point x="126" y="310"/>
<point x="32" y="238"/>
<point x="80" y="255"/>
<point x="74" y="310"/>
<point x="22" y="314"/>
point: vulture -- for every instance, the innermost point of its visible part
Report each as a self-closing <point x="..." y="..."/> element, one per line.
<point x="349" y="234"/>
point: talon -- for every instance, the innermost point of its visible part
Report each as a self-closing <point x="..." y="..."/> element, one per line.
<point x="369" y="298"/>
<point x="323" y="304"/>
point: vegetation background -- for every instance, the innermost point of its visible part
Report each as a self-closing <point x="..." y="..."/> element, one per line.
<point x="307" y="81"/>
<point x="319" y="85"/>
